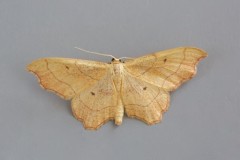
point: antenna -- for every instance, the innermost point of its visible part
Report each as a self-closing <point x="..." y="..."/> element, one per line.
<point x="101" y="54"/>
<point x="126" y="58"/>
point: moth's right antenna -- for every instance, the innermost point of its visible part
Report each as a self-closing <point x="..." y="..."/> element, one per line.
<point x="101" y="54"/>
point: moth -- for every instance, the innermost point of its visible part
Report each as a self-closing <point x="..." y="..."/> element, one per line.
<point x="100" y="91"/>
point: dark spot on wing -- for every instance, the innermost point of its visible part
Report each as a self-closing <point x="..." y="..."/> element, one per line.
<point x="144" y="88"/>
<point x="93" y="93"/>
<point x="67" y="67"/>
<point x="165" y="60"/>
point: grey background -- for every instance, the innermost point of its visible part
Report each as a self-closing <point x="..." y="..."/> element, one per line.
<point x="203" y="121"/>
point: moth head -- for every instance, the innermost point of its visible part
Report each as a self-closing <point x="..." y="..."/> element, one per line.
<point x="120" y="60"/>
<point x="116" y="60"/>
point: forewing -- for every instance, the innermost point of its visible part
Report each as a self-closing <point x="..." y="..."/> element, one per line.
<point x="67" y="77"/>
<point x="166" y="69"/>
<point x="143" y="100"/>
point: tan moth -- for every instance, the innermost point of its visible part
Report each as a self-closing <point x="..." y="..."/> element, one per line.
<point x="100" y="92"/>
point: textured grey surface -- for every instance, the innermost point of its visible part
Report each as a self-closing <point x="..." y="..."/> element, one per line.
<point x="203" y="121"/>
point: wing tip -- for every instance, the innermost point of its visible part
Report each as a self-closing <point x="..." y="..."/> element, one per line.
<point x="200" y="51"/>
<point x="31" y="67"/>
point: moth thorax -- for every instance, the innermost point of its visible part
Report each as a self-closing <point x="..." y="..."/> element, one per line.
<point x="117" y="68"/>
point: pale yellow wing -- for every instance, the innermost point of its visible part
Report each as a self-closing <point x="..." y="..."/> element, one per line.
<point x="147" y="81"/>
<point x="97" y="104"/>
<point x="143" y="100"/>
<point x="67" y="77"/>
<point x="87" y="83"/>
<point x="166" y="69"/>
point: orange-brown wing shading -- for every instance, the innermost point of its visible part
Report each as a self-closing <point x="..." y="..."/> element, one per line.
<point x="67" y="77"/>
<point x="166" y="69"/>
<point x="143" y="100"/>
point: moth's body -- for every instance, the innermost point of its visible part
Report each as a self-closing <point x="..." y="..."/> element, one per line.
<point x="117" y="72"/>
<point x="100" y="91"/>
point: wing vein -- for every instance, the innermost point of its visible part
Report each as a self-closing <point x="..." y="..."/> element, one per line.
<point x="177" y="69"/>
<point x="57" y="78"/>
<point x="83" y="72"/>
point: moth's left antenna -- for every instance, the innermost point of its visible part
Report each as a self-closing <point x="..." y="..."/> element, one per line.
<point x="101" y="54"/>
